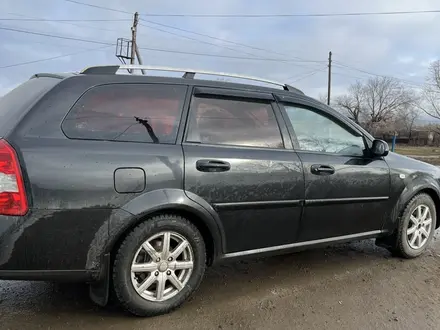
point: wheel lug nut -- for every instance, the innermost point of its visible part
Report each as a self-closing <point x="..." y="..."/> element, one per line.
<point x="169" y="272"/>
<point x="156" y="273"/>
<point x="158" y="259"/>
<point x="170" y="259"/>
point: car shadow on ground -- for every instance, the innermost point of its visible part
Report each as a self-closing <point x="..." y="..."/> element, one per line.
<point x="222" y="283"/>
<point x="282" y="287"/>
<point x="224" y="286"/>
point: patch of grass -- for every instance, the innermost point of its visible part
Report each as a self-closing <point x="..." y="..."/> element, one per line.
<point x="429" y="155"/>
<point x="418" y="151"/>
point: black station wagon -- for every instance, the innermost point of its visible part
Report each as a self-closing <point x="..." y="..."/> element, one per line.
<point x="137" y="183"/>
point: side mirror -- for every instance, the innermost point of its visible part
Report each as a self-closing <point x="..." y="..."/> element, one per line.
<point x="380" y="148"/>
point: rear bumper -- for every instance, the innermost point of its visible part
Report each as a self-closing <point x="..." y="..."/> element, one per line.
<point x="12" y="243"/>
<point x="52" y="245"/>
<point x="57" y="245"/>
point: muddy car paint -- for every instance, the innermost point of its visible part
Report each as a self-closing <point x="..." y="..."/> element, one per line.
<point x="77" y="216"/>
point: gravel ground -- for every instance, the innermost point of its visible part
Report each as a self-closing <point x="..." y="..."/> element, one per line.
<point x="349" y="286"/>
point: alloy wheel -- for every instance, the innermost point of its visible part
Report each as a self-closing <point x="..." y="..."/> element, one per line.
<point x="419" y="227"/>
<point x="162" y="266"/>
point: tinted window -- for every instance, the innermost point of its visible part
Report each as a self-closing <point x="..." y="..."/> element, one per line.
<point x="233" y="122"/>
<point x="18" y="100"/>
<point x="316" y="132"/>
<point x="127" y="112"/>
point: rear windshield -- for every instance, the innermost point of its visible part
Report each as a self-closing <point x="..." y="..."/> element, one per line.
<point x="16" y="102"/>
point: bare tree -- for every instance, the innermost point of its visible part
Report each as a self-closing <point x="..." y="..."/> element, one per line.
<point x="322" y="98"/>
<point x="430" y="103"/>
<point x="385" y="97"/>
<point x="375" y="102"/>
<point x="405" y="119"/>
<point x="352" y="102"/>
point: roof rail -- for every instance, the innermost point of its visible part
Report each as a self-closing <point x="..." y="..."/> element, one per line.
<point x="188" y="73"/>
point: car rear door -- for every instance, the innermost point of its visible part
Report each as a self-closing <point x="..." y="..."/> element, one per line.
<point x="117" y="143"/>
<point x="346" y="190"/>
<point x="239" y="159"/>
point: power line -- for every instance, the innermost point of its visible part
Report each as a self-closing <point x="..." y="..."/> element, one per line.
<point x="269" y="15"/>
<point x="296" y="15"/>
<point x="68" y="22"/>
<point x="113" y="30"/>
<point x="228" y="41"/>
<point x="219" y="56"/>
<point x="191" y="32"/>
<point x="37" y="19"/>
<point x="346" y="75"/>
<point x="52" y="58"/>
<point x="169" y="32"/>
<point x="56" y="36"/>
<point x="146" y="48"/>
<point x="222" y="46"/>
<point x="62" y="20"/>
<point x="310" y="74"/>
<point x="99" y="7"/>
<point x="306" y="73"/>
<point x="194" y="39"/>
<point x="409" y="82"/>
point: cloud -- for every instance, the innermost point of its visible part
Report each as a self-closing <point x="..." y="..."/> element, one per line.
<point x="405" y="59"/>
<point x="377" y="44"/>
<point x="427" y="63"/>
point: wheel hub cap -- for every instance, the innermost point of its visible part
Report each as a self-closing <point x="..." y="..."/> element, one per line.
<point x="163" y="266"/>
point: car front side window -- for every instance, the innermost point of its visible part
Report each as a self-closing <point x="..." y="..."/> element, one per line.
<point x="316" y="132"/>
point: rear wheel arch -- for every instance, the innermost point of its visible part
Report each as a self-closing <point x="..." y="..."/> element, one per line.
<point x="145" y="292"/>
<point x="213" y="247"/>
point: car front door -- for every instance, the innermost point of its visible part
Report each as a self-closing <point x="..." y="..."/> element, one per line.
<point x="346" y="190"/>
<point x="239" y="159"/>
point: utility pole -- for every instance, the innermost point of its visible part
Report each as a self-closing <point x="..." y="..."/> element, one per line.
<point x="329" y="77"/>
<point x="138" y="54"/>
<point x="127" y="49"/>
<point x="133" y="39"/>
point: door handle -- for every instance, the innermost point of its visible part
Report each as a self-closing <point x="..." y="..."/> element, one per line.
<point x="322" y="169"/>
<point x="212" y="165"/>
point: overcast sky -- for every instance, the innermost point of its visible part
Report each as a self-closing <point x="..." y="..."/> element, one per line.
<point x="401" y="45"/>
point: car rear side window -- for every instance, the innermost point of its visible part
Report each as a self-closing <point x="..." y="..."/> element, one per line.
<point x="233" y="122"/>
<point x="127" y="112"/>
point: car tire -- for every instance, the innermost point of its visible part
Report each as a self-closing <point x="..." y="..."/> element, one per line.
<point x="406" y="244"/>
<point x="155" y="300"/>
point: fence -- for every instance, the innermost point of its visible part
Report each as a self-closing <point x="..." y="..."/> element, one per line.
<point x="417" y="138"/>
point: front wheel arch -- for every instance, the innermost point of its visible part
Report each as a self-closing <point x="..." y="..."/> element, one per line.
<point x="406" y="196"/>
<point x="391" y="227"/>
<point x="426" y="190"/>
<point x="436" y="198"/>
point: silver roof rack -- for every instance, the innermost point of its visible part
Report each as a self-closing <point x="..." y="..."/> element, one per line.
<point x="188" y="73"/>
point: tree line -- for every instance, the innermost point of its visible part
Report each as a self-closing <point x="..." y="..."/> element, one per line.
<point x="384" y="105"/>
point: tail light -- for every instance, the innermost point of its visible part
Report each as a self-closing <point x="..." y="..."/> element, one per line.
<point x="13" y="199"/>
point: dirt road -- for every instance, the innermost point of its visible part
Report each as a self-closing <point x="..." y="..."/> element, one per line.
<point x="350" y="286"/>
